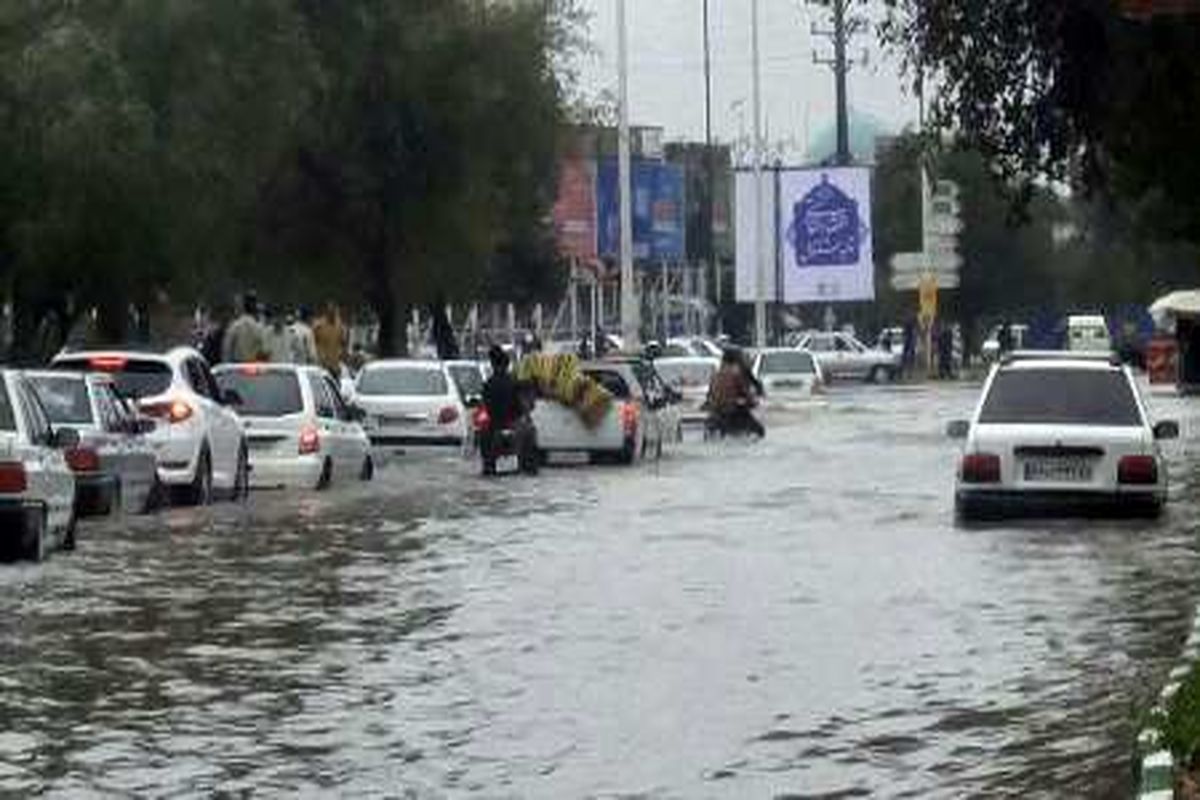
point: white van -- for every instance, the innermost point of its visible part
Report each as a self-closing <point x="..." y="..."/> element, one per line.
<point x="1088" y="333"/>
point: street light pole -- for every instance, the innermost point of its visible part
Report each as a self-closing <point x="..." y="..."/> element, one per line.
<point x="629" y="298"/>
<point x="710" y="211"/>
<point x="760" y="299"/>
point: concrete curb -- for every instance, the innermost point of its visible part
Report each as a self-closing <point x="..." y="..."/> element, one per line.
<point x="1156" y="765"/>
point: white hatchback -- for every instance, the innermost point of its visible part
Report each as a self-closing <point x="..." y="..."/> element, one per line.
<point x="37" y="487"/>
<point x="1056" y="432"/>
<point x="198" y="441"/>
<point x="788" y="373"/>
<point x="408" y="402"/>
<point x="299" y="431"/>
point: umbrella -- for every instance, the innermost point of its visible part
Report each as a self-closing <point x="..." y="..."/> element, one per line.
<point x="1175" y="304"/>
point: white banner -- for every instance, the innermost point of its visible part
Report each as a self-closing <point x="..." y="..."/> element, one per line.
<point x="826" y="238"/>
<point x="746" y="290"/>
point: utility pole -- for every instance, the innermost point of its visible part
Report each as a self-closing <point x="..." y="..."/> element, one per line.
<point x="844" y="28"/>
<point x="630" y="312"/>
<point x="710" y="209"/>
<point x="760" y="299"/>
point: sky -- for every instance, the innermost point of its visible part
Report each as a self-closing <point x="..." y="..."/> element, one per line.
<point x="666" y="82"/>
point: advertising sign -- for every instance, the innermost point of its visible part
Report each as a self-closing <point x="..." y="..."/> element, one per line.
<point x="746" y="285"/>
<point x="575" y="210"/>
<point x="658" y="211"/>
<point x="826" y="240"/>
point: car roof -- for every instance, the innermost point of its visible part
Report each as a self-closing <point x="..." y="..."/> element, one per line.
<point x="254" y="366"/>
<point x="172" y="356"/>
<point x="1065" y="364"/>
<point x="413" y="363"/>
<point x="669" y="360"/>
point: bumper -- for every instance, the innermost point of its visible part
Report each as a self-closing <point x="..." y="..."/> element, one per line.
<point x="414" y="440"/>
<point x="299" y="472"/>
<point x="1001" y="503"/>
<point x="177" y="457"/>
<point x="95" y="494"/>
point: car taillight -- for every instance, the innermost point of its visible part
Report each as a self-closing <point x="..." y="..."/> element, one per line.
<point x="447" y="415"/>
<point x="629" y="418"/>
<point x="108" y="363"/>
<point x="310" y="441"/>
<point x="83" y="459"/>
<point x="482" y="419"/>
<point x="173" y="411"/>
<point x="1137" y="470"/>
<point x="12" y="477"/>
<point x="980" y="468"/>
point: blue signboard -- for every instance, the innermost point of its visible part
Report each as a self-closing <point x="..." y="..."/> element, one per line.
<point x="658" y="211"/>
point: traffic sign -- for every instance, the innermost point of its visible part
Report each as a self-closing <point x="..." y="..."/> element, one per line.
<point x="943" y="226"/>
<point x="911" y="282"/>
<point x="903" y="263"/>
<point x="918" y="263"/>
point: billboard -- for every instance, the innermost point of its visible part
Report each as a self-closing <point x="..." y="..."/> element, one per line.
<point x="575" y="210"/>
<point x="658" y="210"/>
<point x="746" y="275"/>
<point x="825" y="239"/>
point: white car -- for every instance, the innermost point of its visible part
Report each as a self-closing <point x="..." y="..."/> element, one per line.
<point x="408" y="402"/>
<point x="115" y="466"/>
<point x="1056" y="431"/>
<point x="1088" y="333"/>
<point x="199" y="441"/>
<point x="788" y="372"/>
<point x="842" y="357"/>
<point x="690" y="377"/>
<point x="37" y="487"/>
<point x="299" y="431"/>
<point x="691" y="347"/>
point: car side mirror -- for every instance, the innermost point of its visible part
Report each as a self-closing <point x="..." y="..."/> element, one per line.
<point x="958" y="429"/>
<point x="1167" y="429"/>
<point x="65" y="439"/>
<point x="231" y="398"/>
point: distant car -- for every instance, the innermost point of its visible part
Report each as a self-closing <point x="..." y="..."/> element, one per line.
<point x="690" y="377"/>
<point x="1056" y="432"/>
<point x="299" y="431"/>
<point x="409" y="402"/>
<point x="890" y="340"/>
<point x="1088" y="333"/>
<point x="842" y="357"/>
<point x="788" y="372"/>
<point x="691" y="346"/>
<point x="37" y="487"/>
<point x="115" y="465"/>
<point x="199" y="441"/>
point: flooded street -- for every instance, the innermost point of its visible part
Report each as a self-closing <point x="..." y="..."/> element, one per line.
<point x="799" y="617"/>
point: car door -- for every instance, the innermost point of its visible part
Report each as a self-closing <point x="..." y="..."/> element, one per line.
<point x="110" y="440"/>
<point x="325" y="410"/>
<point x="350" y="444"/>
<point x="224" y="429"/>
<point x="139" y="464"/>
<point x="50" y="479"/>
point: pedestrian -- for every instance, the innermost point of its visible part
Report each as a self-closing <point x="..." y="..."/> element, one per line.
<point x="945" y="349"/>
<point x="1005" y="338"/>
<point x="244" y="340"/>
<point x="329" y="335"/>
<point x="908" y="359"/>
<point x="277" y="339"/>
<point x="300" y="337"/>
<point x="213" y="339"/>
<point x="885" y="341"/>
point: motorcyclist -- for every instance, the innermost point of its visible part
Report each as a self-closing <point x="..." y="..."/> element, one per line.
<point x="507" y="411"/>
<point x="731" y="396"/>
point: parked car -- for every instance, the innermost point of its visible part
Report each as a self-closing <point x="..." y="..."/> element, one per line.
<point x="37" y="487"/>
<point x="990" y="351"/>
<point x="690" y="377"/>
<point x="115" y="465"/>
<point x="299" y="431"/>
<point x="408" y="402"/>
<point x="198" y="441"/>
<point x="788" y="372"/>
<point x="1057" y="431"/>
<point x="843" y="357"/>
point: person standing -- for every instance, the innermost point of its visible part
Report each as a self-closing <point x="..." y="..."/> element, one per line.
<point x="300" y="338"/>
<point x="276" y="339"/>
<point x="909" y="357"/>
<point x="329" y="336"/>
<point x="244" y="338"/>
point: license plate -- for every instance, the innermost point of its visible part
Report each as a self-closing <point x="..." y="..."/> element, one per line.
<point x="1058" y="470"/>
<point x="408" y="421"/>
<point x="507" y="463"/>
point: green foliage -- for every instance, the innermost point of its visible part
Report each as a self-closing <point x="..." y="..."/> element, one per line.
<point x="1181" y="732"/>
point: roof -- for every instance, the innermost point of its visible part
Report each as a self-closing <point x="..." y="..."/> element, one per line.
<point x="407" y="363"/>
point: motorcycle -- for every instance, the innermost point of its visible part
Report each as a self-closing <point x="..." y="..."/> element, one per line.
<point x="737" y="422"/>
<point x="512" y="448"/>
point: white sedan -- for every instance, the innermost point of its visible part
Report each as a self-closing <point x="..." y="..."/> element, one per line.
<point x="408" y="402"/>
<point x="787" y="372"/>
<point x="300" y="432"/>
<point x="1055" y="433"/>
<point x="841" y="356"/>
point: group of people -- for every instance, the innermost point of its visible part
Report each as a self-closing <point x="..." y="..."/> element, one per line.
<point x="259" y="334"/>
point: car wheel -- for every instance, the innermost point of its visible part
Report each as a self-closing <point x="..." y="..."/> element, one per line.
<point x="68" y="542"/>
<point x="368" y="470"/>
<point x="879" y="375"/>
<point x="326" y="475"/>
<point x="241" y="481"/>
<point x="199" y="491"/>
<point x="33" y="545"/>
<point x="155" y="498"/>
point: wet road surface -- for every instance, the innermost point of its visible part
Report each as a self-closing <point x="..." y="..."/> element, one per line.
<point x="799" y="617"/>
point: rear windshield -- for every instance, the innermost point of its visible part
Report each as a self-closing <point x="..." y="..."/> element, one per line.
<point x="787" y="364"/>
<point x="134" y="378"/>
<point x="611" y="381"/>
<point x="1060" y="396"/>
<point x="685" y="374"/>
<point x="468" y="379"/>
<point x="403" y="381"/>
<point x="269" y="393"/>
<point x="65" y="399"/>
<point x="7" y="421"/>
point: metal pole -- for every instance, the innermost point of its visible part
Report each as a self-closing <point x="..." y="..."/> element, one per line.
<point x="760" y="300"/>
<point x="840" y="68"/>
<point x="629" y="299"/>
<point x="710" y="211"/>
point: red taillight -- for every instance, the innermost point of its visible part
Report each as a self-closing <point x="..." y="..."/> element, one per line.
<point x="173" y="411"/>
<point x="980" y="468"/>
<point x="108" y="363"/>
<point x="12" y="477"/>
<point x="1138" y="470"/>
<point x="251" y="370"/>
<point x="83" y="459"/>
<point x="447" y="415"/>
<point x="310" y="441"/>
<point x="482" y="419"/>
<point x="629" y="418"/>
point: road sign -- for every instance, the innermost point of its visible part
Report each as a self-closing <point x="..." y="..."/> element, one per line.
<point x="903" y="263"/>
<point x="941" y="262"/>
<point x="911" y="282"/>
<point x="945" y="189"/>
<point x="943" y="226"/>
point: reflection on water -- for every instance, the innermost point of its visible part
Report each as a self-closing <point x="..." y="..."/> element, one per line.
<point x="797" y="617"/>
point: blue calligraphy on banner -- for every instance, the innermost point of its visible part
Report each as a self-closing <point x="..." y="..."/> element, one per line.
<point x="658" y="210"/>
<point x="826" y="229"/>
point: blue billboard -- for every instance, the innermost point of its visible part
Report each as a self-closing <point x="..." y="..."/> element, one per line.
<point x="659" y="225"/>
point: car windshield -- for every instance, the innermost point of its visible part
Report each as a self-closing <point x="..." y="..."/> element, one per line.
<point x="134" y="377"/>
<point x="468" y="379"/>
<point x="611" y="381"/>
<point x="686" y="374"/>
<point x="265" y="393"/>
<point x="787" y="364"/>
<point x="1060" y="397"/>
<point x="403" y="382"/>
<point x="64" y="398"/>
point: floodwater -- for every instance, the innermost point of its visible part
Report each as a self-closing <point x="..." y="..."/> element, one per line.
<point x="799" y="617"/>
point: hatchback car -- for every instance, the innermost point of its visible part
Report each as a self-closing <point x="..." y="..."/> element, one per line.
<point x="299" y="431"/>
<point x="788" y="372"/>
<point x="199" y="441"/>
<point x="114" y="463"/>
<point x="407" y="402"/>
<point x="1056" y="433"/>
<point x="37" y="487"/>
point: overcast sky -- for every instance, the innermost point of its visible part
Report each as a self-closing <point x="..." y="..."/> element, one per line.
<point x="667" y="74"/>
